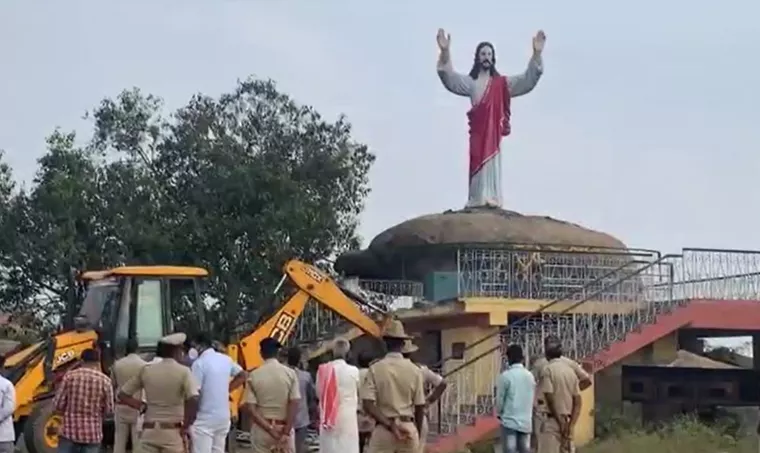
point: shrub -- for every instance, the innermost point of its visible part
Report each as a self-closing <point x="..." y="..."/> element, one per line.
<point x="681" y="436"/>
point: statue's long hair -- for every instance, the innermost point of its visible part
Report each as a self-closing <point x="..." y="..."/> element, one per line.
<point x="476" y="61"/>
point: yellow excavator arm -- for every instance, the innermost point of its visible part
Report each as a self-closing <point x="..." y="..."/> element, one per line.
<point x="310" y="283"/>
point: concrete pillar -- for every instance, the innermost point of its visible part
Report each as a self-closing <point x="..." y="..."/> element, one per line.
<point x="756" y="350"/>
<point x="688" y="341"/>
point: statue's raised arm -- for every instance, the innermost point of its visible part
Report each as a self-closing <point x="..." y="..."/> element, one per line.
<point x="524" y="83"/>
<point x="459" y="84"/>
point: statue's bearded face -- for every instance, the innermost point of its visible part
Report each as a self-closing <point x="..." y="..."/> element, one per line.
<point x="485" y="57"/>
<point x="484" y="61"/>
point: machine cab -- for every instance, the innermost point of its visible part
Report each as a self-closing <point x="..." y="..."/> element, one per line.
<point x="142" y="302"/>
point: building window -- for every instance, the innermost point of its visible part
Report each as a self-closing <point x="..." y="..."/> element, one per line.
<point x="457" y="350"/>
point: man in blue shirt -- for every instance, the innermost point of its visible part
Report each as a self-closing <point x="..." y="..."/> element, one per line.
<point x="515" y="394"/>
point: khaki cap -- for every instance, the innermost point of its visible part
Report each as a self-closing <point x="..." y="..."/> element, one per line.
<point x="175" y="339"/>
<point x="396" y="330"/>
<point x="409" y="347"/>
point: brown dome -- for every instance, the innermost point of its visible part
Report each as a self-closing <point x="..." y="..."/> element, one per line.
<point x="418" y="246"/>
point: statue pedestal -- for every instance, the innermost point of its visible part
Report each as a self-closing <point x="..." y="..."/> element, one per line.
<point x="414" y="248"/>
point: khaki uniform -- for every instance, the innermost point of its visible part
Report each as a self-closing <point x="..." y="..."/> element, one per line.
<point x="366" y="422"/>
<point x="433" y="380"/>
<point x="540" y="411"/>
<point x="559" y="379"/>
<point x="270" y="388"/>
<point x="167" y="385"/>
<point x="125" y="417"/>
<point x="396" y="386"/>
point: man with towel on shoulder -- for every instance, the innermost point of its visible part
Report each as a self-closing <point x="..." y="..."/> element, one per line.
<point x="338" y="393"/>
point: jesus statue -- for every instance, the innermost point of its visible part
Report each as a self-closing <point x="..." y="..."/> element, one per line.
<point x="490" y="94"/>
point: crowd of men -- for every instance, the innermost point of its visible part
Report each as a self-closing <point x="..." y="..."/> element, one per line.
<point x="174" y="404"/>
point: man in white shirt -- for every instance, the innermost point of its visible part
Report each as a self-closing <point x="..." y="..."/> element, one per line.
<point x="213" y="371"/>
<point x="7" y="407"/>
<point x="338" y="393"/>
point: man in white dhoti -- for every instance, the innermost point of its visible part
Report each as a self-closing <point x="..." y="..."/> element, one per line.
<point x="489" y="118"/>
<point x="338" y="393"/>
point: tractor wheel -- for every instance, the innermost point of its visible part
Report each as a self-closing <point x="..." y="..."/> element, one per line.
<point x="41" y="429"/>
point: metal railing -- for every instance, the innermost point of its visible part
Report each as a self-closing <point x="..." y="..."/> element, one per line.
<point x="562" y="273"/>
<point x="610" y="293"/>
<point x="471" y="385"/>
<point x="587" y="327"/>
<point x="719" y="274"/>
<point x="544" y="274"/>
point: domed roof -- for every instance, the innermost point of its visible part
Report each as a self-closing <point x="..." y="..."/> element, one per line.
<point x="419" y="244"/>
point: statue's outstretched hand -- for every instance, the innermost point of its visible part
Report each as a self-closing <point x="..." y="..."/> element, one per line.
<point x="539" y="41"/>
<point x="443" y="39"/>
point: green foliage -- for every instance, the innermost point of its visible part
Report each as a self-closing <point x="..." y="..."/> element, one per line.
<point x="237" y="184"/>
<point x="23" y="330"/>
<point x="612" y="422"/>
<point x="684" y="435"/>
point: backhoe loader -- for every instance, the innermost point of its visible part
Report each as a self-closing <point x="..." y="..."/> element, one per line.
<point x="146" y="303"/>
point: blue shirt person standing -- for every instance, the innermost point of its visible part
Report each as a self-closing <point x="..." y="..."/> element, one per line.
<point x="515" y="393"/>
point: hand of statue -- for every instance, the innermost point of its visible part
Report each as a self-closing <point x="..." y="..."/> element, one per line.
<point x="443" y="39"/>
<point x="539" y="41"/>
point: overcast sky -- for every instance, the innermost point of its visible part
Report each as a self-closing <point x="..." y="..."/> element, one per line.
<point x="645" y="124"/>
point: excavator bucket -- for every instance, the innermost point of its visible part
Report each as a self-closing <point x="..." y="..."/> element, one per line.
<point x="342" y="330"/>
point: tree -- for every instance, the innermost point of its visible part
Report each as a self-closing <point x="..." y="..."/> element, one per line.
<point x="238" y="184"/>
<point x="69" y="220"/>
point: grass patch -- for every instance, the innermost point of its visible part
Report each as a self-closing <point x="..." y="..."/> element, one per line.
<point x="682" y="436"/>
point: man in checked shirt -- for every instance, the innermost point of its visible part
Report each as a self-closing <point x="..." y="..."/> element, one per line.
<point x="84" y="399"/>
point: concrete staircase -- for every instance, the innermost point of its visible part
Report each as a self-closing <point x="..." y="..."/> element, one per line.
<point x="607" y="316"/>
<point x="469" y="422"/>
<point x="597" y="339"/>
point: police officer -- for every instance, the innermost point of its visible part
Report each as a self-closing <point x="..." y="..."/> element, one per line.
<point x="584" y="381"/>
<point x="559" y="387"/>
<point x="125" y="417"/>
<point x="272" y="397"/>
<point x="171" y="398"/>
<point x="393" y="394"/>
<point x="366" y="422"/>
<point x="550" y="342"/>
<point x="431" y="380"/>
